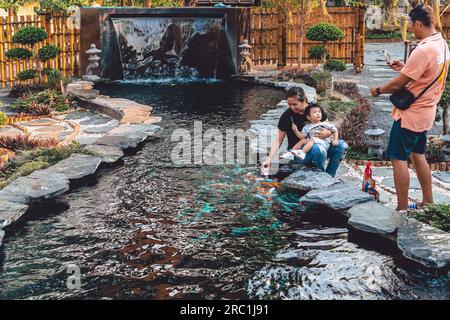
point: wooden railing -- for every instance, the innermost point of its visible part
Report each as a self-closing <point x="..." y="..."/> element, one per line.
<point x="59" y="34"/>
<point x="275" y="41"/>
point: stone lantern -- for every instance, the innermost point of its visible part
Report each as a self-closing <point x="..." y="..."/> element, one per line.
<point x="93" y="64"/>
<point x="446" y="148"/>
<point x="246" y="60"/>
<point x="375" y="142"/>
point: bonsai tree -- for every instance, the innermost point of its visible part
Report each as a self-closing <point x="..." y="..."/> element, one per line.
<point x="29" y="36"/>
<point x="12" y="5"/>
<point x="325" y="32"/>
<point x="50" y="7"/>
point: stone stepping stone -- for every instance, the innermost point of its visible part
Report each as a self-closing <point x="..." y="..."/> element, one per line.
<point x="86" y="139"/>
<point x="77" y="115"/>
<point x="374" y="218"/>
<point x="40" y="123"/>
<point x="437" y="197"/>
<point x="9" y="131"/>
<point x="442" y="176"/>
<point x="40" y="184"/>
<point x="389" y="182"/>
<point x="423" y="243"/>
<point x="108" y="154"/>
<point x="10" y="212"/>
<point x="383" y="172"/>
<point x="308" y="179"/>
<point x="340" y="196"/>
<point x="76" y="166"/>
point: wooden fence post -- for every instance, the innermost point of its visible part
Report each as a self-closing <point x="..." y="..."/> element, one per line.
<point x="281" y="40"/>
<point x="358" y="59"/>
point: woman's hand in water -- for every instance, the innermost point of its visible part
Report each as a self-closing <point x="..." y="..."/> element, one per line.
<point x="265" y="165"/>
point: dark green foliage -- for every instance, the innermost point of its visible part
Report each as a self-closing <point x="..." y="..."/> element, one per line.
<point x="437" y="215"/>
<point x="317" y="52"/>
<point x="324" y="32"/>
<point x="53" y="76"/>
<point x="334" y="65"/>
<point x="323" y="80"/>
<point x="17" y="91"/>
<point x="50" y="98"/>
<point x="27" y="74"/>
<point x="29" y="35"/>
<point x="340" y="106"/>
<point x="19" y="53"/>
<point x="48" y="52"/>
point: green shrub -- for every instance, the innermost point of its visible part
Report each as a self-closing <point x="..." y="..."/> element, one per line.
<point x="53" y="76"/>
<point x="29" y="35"/>
<point x="437" y="215"/>
<point x="317" y="52"/>
<point x="335" y="65"/>
<point x="341" y="106"/>
<point x="3" y="118"/>
<point x="27" y="74"/>
<point x="323" y="80"/>
<point x="29" y="161"/>
<point x="324" y="32"/>
<point x="18" y="53"/>
<point x="18" y="90"/>
<point x="48" y="52"/>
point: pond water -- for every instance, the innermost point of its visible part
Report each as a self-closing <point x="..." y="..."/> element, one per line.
<point x="155" y="230"/>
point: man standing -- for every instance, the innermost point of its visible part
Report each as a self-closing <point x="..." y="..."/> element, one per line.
<point x="408" y="136"/>
<point x="297" y="103"/>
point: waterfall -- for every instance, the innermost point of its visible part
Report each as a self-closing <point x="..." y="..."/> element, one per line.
<point x="155" y="47"/>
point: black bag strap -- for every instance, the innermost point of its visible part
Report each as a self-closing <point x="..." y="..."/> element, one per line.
<point x="443" y="68"/>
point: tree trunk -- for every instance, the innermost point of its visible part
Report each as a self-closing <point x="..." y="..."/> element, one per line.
<point x="300" y="34"/>
<point x="445" y="120"/>
<point x="11" y="12"/>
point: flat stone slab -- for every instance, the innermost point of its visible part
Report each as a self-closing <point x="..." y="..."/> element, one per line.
<point x="9" y="131"/>
<point x="437" y="197"/>
<point x="40" y="123"/>
<point x="140" y="131"/>
<point x="122" y="142"/>
<point x="423" y="243"/>
<point x="340" y="196"/>
<point x="76" y="166"/>
<point x="130" y="111"/>
<point x="41" y="184"/>
<point x="442" y="176"/>
<point x="389" y="182"/>
<point x="10" y="212"/>
<point x="383" y="172"/>
<point x="128" y="135"/>
<point x="374" y="218"/>
<point x="108" y="154"/>
<point x="308" y="179"/>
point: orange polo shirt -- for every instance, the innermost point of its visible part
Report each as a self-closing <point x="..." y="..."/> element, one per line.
<point x="423" y="66"/>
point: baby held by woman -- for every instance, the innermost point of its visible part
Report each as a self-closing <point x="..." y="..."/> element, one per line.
<point x="313" y="114"/>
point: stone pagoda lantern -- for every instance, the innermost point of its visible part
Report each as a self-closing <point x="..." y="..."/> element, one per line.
<point x="246" y="60"/>
<point x="94" y="63"/>
<point x="446" y="148"/>
<point x="375" y="143"/>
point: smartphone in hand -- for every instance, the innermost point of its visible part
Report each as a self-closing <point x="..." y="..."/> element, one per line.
<point x="387" y="56"/>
